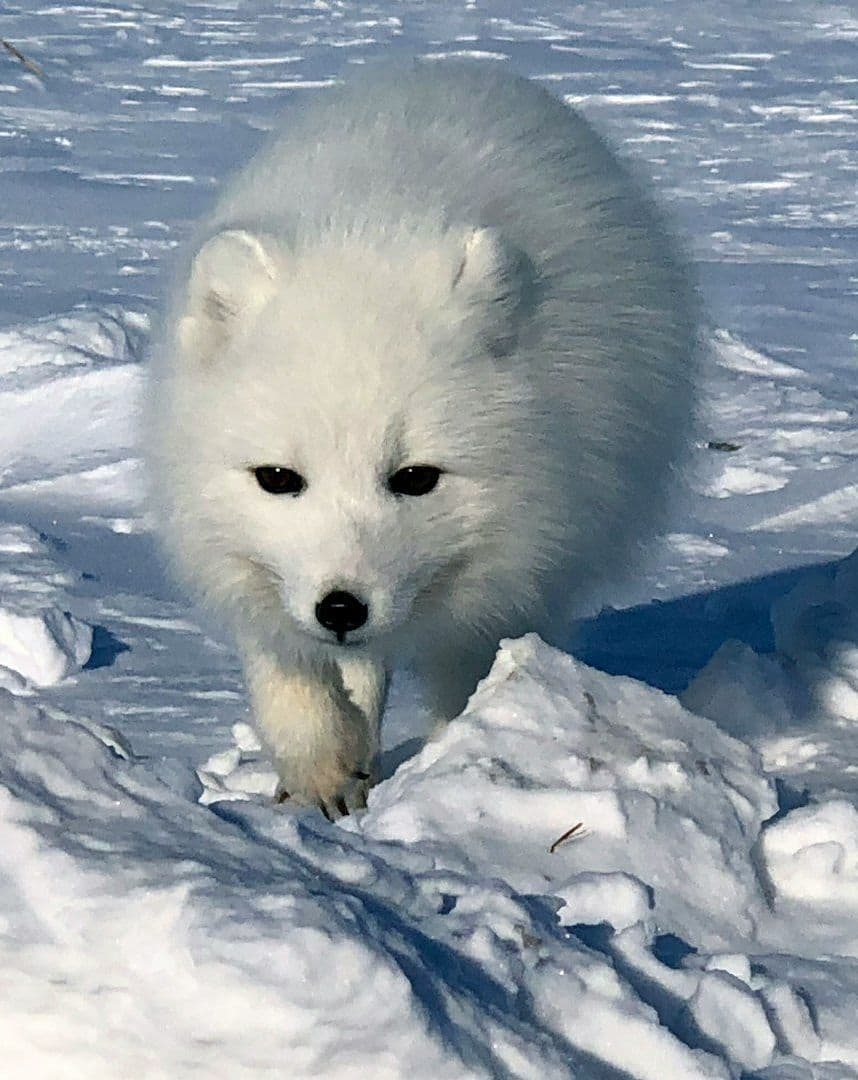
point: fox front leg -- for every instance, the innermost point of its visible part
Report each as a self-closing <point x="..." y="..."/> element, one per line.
<point x="324" y="744"/>
<point x="366" y="681"/>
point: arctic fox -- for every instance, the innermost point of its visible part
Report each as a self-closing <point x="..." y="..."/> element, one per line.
<point x="421" y="383"/>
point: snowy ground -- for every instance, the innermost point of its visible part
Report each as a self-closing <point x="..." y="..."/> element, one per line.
<point x="159" y="917"/>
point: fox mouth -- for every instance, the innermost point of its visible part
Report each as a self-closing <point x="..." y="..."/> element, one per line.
<point x="342" y="639"/>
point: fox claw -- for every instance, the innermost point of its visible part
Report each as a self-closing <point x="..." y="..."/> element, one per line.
<point x="348" y="801"/>
<point x="335" y="806"/>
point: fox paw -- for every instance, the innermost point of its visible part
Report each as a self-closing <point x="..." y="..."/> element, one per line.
<point x="337" y="800"/>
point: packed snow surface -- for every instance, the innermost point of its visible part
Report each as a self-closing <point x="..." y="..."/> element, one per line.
<point x="638" y="863"/>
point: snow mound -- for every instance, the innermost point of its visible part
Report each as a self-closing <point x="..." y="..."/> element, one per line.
<point x="812" y="856"/>
<point x="799" y="704"/>
<point x="733" y="354"/>
<point x="275" y="929"/>
<point x="43" y="648"/>
<point x="81" y="339"/>
<point x="664" y="798"/>
<point x="816" y="628"/>
<point x="69" y="392"/>
<point x="238" y="771"/>
<point x="448" y="931"/>
<point x="40" y="642"/>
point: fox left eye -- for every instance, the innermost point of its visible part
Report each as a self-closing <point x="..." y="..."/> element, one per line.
<point x="414" y="480"/>
<point x="277" y="480"/>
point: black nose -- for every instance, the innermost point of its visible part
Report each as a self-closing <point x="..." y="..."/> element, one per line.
<point x="340" y="612"/>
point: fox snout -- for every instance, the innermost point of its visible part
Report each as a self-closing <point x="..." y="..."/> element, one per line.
<point x="341" y="612"/>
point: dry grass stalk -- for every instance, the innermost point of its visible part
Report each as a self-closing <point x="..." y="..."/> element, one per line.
<point x="575" y="833"/>
<point x="29" y="64"/>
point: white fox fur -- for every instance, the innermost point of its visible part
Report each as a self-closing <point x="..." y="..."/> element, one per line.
<point x="441" y="265"/>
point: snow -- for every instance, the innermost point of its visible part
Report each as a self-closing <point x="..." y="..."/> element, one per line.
<point x="545" y="743"/>
<point x="641" y="862"/>
<point x="812" y="856"/>
<point x="40" y="643"/>
<point x="44" y="647"/>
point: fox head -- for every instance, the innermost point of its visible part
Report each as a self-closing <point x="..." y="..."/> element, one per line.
<point x="346" y="443"/>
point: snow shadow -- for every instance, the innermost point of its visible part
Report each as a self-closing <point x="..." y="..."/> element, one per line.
<point x="666" y="643"/>
<point x="105" y="648"/>
<point x="671" y="1008"/>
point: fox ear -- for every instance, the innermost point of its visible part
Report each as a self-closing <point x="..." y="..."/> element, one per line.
<point x="233" y="275"/>
<point x="500" y="278"/>
<point x="483" y="264"/>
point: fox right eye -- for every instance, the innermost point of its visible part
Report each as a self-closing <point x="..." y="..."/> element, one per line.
<point x="414" y="480"/>
<point x="277" y="480"/>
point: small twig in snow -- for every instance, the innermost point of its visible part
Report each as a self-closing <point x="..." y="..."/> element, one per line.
<point x="29" y="64"/>
<point x="575" y="833"/>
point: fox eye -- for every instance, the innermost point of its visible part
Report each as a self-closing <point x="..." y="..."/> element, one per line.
<point x="277" y="480"/>
<point x="414" y="480"/>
